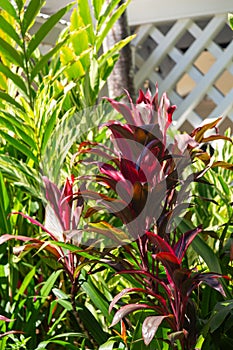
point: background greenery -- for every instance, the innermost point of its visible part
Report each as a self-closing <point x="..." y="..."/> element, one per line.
<point x="47" y="108"/>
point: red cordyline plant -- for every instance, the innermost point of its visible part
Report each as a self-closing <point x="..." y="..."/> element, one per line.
<point x="150" y="177"/>
<point x="62" y="216"/>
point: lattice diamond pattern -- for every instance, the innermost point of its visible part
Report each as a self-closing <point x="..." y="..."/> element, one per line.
<point x="190" y="64"/>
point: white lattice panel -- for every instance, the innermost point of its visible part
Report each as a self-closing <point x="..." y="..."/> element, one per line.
<point x="192" y="60"/>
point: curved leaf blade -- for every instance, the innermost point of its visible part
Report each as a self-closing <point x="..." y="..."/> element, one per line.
<point x="30" y="14"/>
<point x="150" y="327"/>
<point x="46" y="28"/>
<point x="127" y="309"/>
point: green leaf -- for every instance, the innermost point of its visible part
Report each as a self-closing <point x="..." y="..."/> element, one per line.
<point x="92" y="325"/>
<point x="115" y="49"/>
<point x="30" y="14"/>
<point x="19" y="146"/>
<point x="47" y="287"/>
<point x="97" y="4"/>
<point x="4" y="206"/>
<point x="14" y="77"/>
<point x="44" y="60"/>
<point x="84" y="10"/>
<point x="20" y="4"/>
<point x="121" y="9"/>
<point x="230" y="20"/>
<point x="10" y="53"/>
<point x="9" y="30"/>
<point x="26" y="282"/>
<point x="9" y="8"/>
<point x="4" y="96"/>
<point x="109" y="345"/>
<point x="97" y="298"/>
<point x="112" y="4"/>
<point x="46" y="28"/>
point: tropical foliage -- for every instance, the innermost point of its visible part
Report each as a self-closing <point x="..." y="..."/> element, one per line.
<point x="116" y="233"/>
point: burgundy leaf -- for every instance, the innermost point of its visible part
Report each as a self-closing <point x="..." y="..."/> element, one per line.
<point x="37" y="223"/>
<point x="185" y="240"/>
<point x="158" y="241"/>
<point x="150" y="326"/>
<point x="127" y="309"/>
<point x="139" y="290"/>
<point x="211" y="279"/>
<point x="123" y="109"/>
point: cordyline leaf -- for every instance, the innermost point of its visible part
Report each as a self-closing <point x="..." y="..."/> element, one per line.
<point x="108" y="230"/>
<point x="127" y="309"/>
<point x="35" y="222"/>
<point x="5" y="319"/>
<point x="185" y="240"/>
<point x="198" y="133"/>
<point x="170" y="262"/>
<point x="35" y="243"/>
<point x="10" y="332"/>
<point x="139" y="290"/>
<point x="216" y="137"/>
<point x="162" y="245"/>
<point x="222" y="164"/>
<point x="150" y="326"/>
<point x="211" y="279"/>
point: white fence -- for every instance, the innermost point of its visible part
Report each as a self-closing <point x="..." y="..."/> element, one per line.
<point x="192" y="60"/>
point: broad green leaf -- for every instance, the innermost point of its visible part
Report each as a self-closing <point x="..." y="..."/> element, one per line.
<point x="11" y="125"/>
<point x="30" y="14"/>
<point x="9" y="30"/>
<point x="109" y="345"/>
<point x="44" y="60"/>
<point x="14" y="77"/>
<point x="97" y="4"/>
<point x="26" y="282"/>
<point x="10" y="53"/>
<point x="84" y="10"/>
<point x="115" y="49"/>
<point x="48" y="285"/>
<point x="4" y="206"/>
<point x="46" y="28"/>
<point x="97" y="298"/>
<point x="230" y="20"/>
<point x="110" y="8"/>
<point x="92" y="325"/>
<point x="48" y="131"/>
<point x="110" y="24"/>
<point x="9" y="8"/>
<point x="20" y="4"/>
<point x="19" y="146"/>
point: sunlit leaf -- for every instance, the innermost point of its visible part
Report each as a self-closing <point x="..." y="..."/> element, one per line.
<point x="150" y="326"/>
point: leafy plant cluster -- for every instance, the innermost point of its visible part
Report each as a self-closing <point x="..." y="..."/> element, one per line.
<point x="112" y="237"/>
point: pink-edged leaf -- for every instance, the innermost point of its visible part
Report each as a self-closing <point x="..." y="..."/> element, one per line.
<point x="8" y="237"/>
<point x="34" y="243"/>
<point x="150" y="275"/>
<point x="127" y="309"/>
<point x="5" y="319"/>
<point x="184" y="241"/>
<point x="150" y="327"/>
<point x="211" y="279"/>
<point x="35" y="222"/>
<point x="138" y="290"/>
<point x="123" y="109"/>
<point x="162" y="245"/>
<point x="10" y="332"/>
